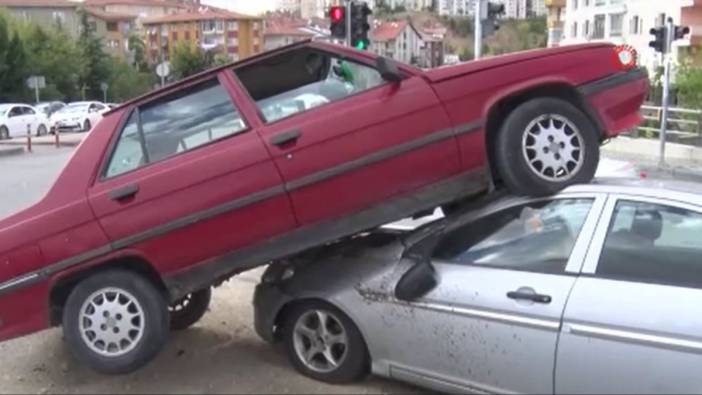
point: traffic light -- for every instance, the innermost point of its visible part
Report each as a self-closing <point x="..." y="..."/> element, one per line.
<point x="681" y="32"/>
<point x="490" y="23"/>
<point x="659" y="42"/>
<point x="360" y="25"/>
<point x="337" y="15"/>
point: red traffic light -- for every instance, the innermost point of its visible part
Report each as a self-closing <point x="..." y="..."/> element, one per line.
<point x="337" y="14"/>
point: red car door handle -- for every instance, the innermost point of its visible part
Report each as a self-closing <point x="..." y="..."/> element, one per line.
<point x="286" y="137"/>
<point x="124" y="192"/>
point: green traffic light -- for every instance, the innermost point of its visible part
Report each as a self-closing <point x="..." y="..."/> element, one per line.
<point x="361" y="45"/>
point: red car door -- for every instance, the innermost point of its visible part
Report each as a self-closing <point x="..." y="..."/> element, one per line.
<point x="198" y="184"/>
<point x="342" y="137"/>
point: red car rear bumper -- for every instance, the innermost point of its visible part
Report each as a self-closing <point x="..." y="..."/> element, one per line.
<point x="616" y="100"/>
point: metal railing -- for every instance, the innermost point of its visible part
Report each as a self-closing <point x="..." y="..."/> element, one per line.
<point x="684" y="125"/>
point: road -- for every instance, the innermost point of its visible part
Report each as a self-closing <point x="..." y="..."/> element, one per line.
<point x="221" y="354"/>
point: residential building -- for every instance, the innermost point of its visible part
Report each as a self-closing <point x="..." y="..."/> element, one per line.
<point x="139" y="8"/>
<point x="235" y="35"/>
<point x="47" y="13"/>
<point x="281" y="36"/>
<point x="114" y="28"/>
<point x="455" y="7"/>
<point x="522" y="9"/>
<point x="554" y="21"/>
<point x="398" y="40"/>
<point x="291" y="6"/>
<point x="416" y="5"/>
<point x="629" y="22"/>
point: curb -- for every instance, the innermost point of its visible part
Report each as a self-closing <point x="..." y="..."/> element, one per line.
<point x="11" y="151"/>
<point x="686" y="174"/>
<point x="39" y="143"/>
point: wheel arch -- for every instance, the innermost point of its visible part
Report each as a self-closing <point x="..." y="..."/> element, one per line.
<point x="503" y="104"/>
<point x="63" y="287"/>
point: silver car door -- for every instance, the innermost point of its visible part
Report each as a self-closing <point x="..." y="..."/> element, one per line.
<point x="492" y="322"/>
<point x="633" y="323"/>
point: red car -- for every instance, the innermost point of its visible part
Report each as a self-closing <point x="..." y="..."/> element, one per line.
<point x="183" y="188"/>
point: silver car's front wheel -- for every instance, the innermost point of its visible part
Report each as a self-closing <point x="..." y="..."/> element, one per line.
<point x="553" y="147"/>
<point x="320" y="341"/>
<point x="323" y="343"/>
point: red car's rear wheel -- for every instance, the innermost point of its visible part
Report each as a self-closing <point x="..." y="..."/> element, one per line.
<point x="545" y="145"/>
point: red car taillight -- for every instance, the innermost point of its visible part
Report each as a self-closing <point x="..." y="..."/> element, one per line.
<point x="625" y="57"/>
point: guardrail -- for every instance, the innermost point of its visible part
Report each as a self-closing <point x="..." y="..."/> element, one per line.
<point x="684" y="125"/>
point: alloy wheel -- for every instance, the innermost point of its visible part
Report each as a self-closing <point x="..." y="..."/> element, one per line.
<point x="553" y="148"/>
<point x="111" y="322"/>
<point x="320" y="341"/>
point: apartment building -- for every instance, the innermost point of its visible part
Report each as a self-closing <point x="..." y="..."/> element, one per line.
<point x="522" y="9"/>
<point x="399" y="40"/>
<point x="455" y="7"/>
<point x="114" y="28"/>
<point x="236" y="35"/>
<point x="46" y="13"/>
<point x="628" y="22"/>
<point x="139" y="8"/>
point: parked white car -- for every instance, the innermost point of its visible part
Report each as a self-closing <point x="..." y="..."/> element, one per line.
<point x="14" y="119"/>
<point x="78" y="116"/>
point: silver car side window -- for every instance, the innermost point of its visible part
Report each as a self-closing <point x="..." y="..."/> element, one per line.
<point x="655" y="243"/>
<point x="533" y="237"/>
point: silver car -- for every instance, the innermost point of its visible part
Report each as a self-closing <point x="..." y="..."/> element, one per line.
<point x="595" y="290"/>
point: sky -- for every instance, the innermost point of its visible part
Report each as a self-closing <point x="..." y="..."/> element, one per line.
<point x="243" y="6"/>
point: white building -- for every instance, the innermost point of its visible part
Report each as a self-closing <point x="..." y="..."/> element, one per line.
<point x="314" y="8"/>
<point x="455" y="7"/>
<point x="288" y="5"/>
<point x="416" y="5"/>
<point x="398" y="40"/>
<point x="620" y="22"/>
<point x="521" y="9"/>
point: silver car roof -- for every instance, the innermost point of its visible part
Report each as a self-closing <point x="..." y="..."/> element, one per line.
<point x="653" y="188"/>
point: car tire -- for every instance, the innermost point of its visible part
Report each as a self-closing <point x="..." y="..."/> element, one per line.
<point x="87" y="126"/>
<point x="342" y="342"/>
<point x="545" y="145"/>
<point x="110" y="298"/>
<point x="4" y="133"/>
<point x="189" y="309"/>
<point x="41" y="131"/>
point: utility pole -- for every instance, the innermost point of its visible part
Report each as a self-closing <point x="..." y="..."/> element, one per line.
<point x="163" y="55"/>
<point x="669" y="31"/>
<point x="349" y="8"/>
<point x="478" y="33"/>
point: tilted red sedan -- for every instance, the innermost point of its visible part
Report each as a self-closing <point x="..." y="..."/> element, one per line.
<point x="189" y="185"/>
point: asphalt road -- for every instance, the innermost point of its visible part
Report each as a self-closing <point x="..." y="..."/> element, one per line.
<point x="221" y="354"/>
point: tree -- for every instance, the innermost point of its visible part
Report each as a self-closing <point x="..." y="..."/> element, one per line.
<point x="189" y="59"/>
<point x="54" y="55"/>
<point x="13" y="59"/>
<point x="138" y="48"/>
<point x="94" y="69"/>
<point x="126" y="82"/>
<point x="689" y="80"/>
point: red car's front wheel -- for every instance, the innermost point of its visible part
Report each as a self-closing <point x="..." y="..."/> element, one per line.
<point x="545" y="145"/>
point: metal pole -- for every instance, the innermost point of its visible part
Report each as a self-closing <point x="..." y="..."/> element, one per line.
<point x="478" y="33"/>
<point x="36" y="90"/>
<point x="349" y="6"/>
<point x="104" y="96"/>
<point x="666" y="90"/>
<point x="163" y="56"/>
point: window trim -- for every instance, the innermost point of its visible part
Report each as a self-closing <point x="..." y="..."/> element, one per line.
<point x="580" y="247"/>
<point x="135" y="108"/>
<point x="342" y="57"/>
<point x="600" y="236"/>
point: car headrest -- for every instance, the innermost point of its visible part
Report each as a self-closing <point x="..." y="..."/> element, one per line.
<point x="648" y="224"/>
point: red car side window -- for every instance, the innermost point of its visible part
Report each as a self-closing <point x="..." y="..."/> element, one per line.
<point x="175" y="124"/>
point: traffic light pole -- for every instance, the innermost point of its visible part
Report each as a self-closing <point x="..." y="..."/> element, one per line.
<point x="478" y="33"/>
<point x="669" y="33"/>
<point x="349" y="8"/>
